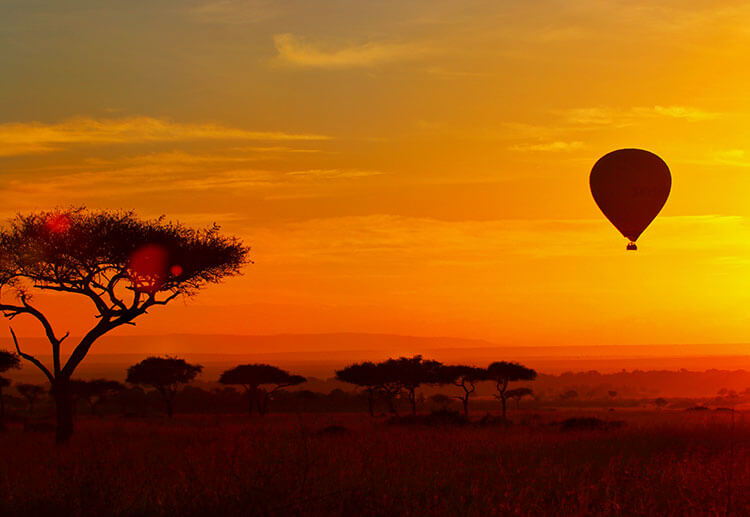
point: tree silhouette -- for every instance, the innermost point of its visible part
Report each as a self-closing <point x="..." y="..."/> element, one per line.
<point x="410" y="373"/>
<point x="8" y="360"/>
<point x="518" y="394"/>
<point x="569" y="395"/>
<point x="95" y="391"/>
<point x="464" y="377"/>
<point x="503" y="372"/>
<point x="253" y="376"/>
<point x="122" y="264"/>
<point x="31" y="392"/>
<point x="661" y="402"/>
<point x="367" y="376"/>
<point x="165" y="374"/>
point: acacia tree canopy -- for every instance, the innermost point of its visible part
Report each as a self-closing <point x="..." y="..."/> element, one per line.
<point x="124" y="265"/>
<point x="165" y="374"/>
<point x="257" y="375"/>
<point x="252" y="376"/>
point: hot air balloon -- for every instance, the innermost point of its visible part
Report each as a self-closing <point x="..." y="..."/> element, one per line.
<point x="630" y="186"/>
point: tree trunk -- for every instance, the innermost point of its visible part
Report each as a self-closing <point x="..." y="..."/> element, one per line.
<point x="371" y="402"/>
<point x="263" y="403"/>
<point x="389" y="398"/>
<point x="2" y="411"/>
<point x="64" y="410"/>
<point x="502" y="398"/>
<point x="466" y="405"/>
<point x="250" y="401"/>
<point x="170" y="407"/>
<point x="413" y="401"/>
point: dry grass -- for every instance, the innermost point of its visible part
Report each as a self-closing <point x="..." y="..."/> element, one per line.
<point x="658" y="464"/>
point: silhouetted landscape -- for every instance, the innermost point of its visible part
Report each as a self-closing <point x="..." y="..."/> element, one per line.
<point x="419" y="258"/>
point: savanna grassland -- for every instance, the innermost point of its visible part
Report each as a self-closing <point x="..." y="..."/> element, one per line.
<point x="658" y="463"/>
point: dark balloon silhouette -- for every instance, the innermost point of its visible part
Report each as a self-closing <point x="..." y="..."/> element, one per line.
<point x="630" y="186"/>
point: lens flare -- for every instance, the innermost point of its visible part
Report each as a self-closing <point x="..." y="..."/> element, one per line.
<point x="147" y="268"/>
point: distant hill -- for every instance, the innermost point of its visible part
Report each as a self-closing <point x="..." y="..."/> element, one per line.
<point x="320" y="354"/>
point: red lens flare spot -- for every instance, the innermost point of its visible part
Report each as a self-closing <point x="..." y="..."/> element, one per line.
<point x="57" y="223"/>
<point x="175" y="270"/>
<point x="147" y="268"/>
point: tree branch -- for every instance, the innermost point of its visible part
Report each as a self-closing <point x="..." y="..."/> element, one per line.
<point x="31" y="358"/>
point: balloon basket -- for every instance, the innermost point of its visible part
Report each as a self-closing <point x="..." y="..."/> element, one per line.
<point x="632" y="247"/>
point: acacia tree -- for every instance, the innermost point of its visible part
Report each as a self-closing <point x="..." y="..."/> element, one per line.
<point x="252" y="376"/>
<point x="31" y="392"/>
<point x="122" y="264"/>
<point x="95" y="391"/>
<point x="165" y="375"/>
<point x="365" y="375"/>
<point x="8" y="360"/>
<point x="410" y="373"/>
<point x="464" y="377"/>
<point x="518" y="394"/>
<point x="503" y="372"/>
<point x="375" y="378"/>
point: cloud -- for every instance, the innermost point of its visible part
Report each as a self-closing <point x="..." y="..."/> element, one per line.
<point x="235" y="12"/>
<point x="36" y="137"/>
<point x="684" y="112"/>
<point x="294" y="51"/>
<point x="397" y="241"/>
<point x="558" y="146"/>
<point x="601" y="116"/>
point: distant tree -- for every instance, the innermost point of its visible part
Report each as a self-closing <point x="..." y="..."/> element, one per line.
<point x="267" y="394"/>
<point x="464" y="377"/>
<point x="31" y="392"/>
<point x="252" y="376"/>
<point x="442" y="400"/>
<point x="612" y="394"/>
<point x="165" y="374"/>
<point x="518" y="394"/>
<point x="502" y="372"/>
<point x="122" y="264"/>
<point x="410" y="373"/>
<point x="661" y="402"/>
<point x="95" y="392"/>
<point x="569" y="395"/>
<point x="365" y="375"/>
<point x="8" y="361"/>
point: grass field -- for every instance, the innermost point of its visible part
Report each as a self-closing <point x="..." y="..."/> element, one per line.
<point x="668" y="463"/>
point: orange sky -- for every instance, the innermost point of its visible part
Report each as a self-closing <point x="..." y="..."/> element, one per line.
<point x="402" y="167"/>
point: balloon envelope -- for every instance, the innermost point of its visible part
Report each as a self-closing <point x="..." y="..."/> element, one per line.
<point x="630" y="186"/>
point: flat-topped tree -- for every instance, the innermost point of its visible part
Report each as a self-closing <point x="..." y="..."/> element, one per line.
<point x="8" y="360"/>
<point x="365" y="375"/>
<point x="165" y="375"/>
<point x="503" y="372"/>
<point x="517" y="394"/>
<point x="410" y="373"/>
<point x="124" y="265"/>
<point x="95" y="392"/>
<point x="253" y="376"/>
<point x="464" y="377"/>
<point x="31" y="392"/>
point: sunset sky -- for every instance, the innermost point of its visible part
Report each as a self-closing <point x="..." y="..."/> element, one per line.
<point x="400" y="167"/>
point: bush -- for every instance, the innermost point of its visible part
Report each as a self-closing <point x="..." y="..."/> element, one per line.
<point x="589" y="424"/>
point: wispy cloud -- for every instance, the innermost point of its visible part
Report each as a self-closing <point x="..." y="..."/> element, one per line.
<point x="558" y="146"/>
<point x="235" y="12"/>
<point x="36" y="137"/>
<point x="600" y="116"/>
<point x="295" y="51"/>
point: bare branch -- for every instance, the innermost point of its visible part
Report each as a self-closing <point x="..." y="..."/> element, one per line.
<point x="31" y="358"/>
